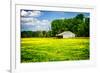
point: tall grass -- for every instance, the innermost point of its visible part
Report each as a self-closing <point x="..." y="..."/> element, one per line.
<point x="53" y="49"/>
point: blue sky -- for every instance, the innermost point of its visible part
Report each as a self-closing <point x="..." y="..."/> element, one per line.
<point x="32" y="20"/>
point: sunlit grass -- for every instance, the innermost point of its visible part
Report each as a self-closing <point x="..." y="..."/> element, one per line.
<point x="53" y="49"/>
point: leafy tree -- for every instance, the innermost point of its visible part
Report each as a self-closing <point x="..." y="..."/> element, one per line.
<point x="78" y="25"/>
<point x="58" y="26"/>
<point x="80" y="16"/>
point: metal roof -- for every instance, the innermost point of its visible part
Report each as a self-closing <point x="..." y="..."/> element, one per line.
<point x="65" y="32"/>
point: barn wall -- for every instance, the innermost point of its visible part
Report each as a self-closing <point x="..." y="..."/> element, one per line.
<point x="68" y="35"/>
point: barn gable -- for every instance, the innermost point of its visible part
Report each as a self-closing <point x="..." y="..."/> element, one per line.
<point x="66" y="34"/>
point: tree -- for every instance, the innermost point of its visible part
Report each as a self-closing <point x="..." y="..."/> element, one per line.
<point x="87" y="22"/>
<point x="78" y="25"/>
<point x="80" y="16"/>
<point x="26" y="34"/>
<point x="58" y="26"/>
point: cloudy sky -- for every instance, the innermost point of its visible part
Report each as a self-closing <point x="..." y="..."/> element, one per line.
<point x="32" y="20"/>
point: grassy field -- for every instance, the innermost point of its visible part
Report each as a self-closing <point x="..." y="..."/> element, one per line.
<point x="53" y="49"/>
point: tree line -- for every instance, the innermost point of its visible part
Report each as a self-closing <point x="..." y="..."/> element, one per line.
<point x="36" y="34"/>
<point x="78" y="25"/>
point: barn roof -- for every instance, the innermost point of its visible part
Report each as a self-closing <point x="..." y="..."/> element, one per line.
<point x="65" y="32"/>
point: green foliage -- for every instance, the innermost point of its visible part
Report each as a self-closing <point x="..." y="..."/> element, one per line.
<point x="80" y="16"/>
<point x="58" y="26"/>
<point x="78" y="25"/>
<point x="52" y="49"/>
<point x="25" y="34"/>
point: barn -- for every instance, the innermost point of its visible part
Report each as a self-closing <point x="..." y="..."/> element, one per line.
<point x="66" y="34"/>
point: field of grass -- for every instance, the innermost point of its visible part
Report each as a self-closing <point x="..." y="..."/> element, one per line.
<point x="53" y="49"/>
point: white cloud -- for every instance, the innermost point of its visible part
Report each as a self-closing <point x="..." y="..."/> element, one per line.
<point x="34" y="13"/>
<point x="30" y="13"/>
<point x="43" y="22"/>
<point x="24" y="13"/>
<point x="34" y="21"/>
<point x="26" y="20"/>
<point x="43" y="25"/>
<point x="29" y="21"/>
<point x="35" y="24"/>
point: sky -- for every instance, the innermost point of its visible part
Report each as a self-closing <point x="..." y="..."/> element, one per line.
<point x="35" y="20"/>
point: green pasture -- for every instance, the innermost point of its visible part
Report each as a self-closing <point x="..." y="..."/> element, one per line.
<point x="54" y="49"/>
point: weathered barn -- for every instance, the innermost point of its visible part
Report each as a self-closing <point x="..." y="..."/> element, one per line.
<point x="66" y="34"/>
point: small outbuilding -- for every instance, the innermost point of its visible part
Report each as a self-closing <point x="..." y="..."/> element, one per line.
<point x="66" y="34"/>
